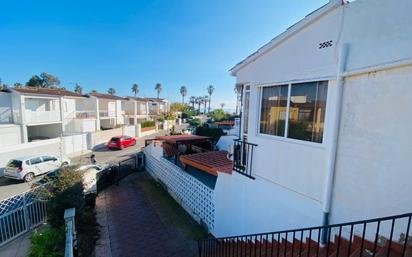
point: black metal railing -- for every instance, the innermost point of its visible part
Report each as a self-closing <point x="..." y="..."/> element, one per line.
<point x="114" y="172"/>
<point x="381" y="237"/>
<point x="243" y="157"/>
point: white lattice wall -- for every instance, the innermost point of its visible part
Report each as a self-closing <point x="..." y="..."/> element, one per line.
<point x="193" y="195"/>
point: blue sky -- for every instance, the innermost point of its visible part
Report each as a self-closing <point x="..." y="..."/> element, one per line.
<point x="102" y="44"/>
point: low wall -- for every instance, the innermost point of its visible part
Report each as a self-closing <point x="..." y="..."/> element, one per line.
<point x="147" y="131"/>
<point x="75" y="145"/>
<point x="10" y="135"/>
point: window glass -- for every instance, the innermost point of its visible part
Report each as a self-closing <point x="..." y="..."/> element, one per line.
<point x="48" y="158"/>
<point x="307" y="111"/>
<point x="35" y="160"/>
<point x="14" y="164"/>
<point x="273" y="110"/>
<point x="246" y="112"/>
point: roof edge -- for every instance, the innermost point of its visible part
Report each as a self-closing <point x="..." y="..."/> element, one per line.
<point x="292" y="30"/>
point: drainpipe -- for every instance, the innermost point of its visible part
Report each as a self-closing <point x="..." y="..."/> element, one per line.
<point x="332" y="150"/>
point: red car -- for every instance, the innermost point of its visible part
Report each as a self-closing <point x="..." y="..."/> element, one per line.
<point x="121" y="142"/>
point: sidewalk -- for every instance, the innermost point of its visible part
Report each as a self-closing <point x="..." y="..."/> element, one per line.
<point x="140" y="219"/>
<point x="17" y="248"/>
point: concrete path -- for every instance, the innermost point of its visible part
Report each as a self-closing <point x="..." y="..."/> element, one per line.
<point x="139" y="219"/>
<point x="17" y="248"/>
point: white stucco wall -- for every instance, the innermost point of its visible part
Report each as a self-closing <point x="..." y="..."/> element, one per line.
<point x="244" y="206"/>
<point x="10" y="134"/>
<point x="374" y="161"/>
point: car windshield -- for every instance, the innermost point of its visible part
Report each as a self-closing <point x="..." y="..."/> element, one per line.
<point x="115" y="139"/>
<point x="14" y="164"/>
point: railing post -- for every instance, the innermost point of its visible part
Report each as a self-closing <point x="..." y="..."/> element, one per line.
<point x="26" y="213"/>
<point x="69" y="215"/>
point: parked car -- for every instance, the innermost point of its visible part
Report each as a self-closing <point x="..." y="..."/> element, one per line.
<point x="28" y="168"/>
<point x="54" y="174"/>
<point x="121" y="142"/>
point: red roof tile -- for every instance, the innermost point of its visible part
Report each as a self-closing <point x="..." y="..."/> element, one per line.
<point x="210" y="162"/>
<point x="183" y="138"/>
<point x="47" y="91"/>
<point x="107" y="96"/>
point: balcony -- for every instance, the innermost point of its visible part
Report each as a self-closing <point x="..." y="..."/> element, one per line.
<point x="85" y="115"/>
<point x="42" y="116"/>
<point x="243" y="157"/>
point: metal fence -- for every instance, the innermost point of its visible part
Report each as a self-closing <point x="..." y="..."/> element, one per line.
<point x="21" y="213"/>
<point x="116" y="171"/>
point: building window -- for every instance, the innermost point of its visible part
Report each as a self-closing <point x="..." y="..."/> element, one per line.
<point x="273" y="110"/>
<point x="306" y="107"/>
<point x="246" y="112"/>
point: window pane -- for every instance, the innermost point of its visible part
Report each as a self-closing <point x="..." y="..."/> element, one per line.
<point x="35" y="160"/>
<point x="307" y="111"/>
<point x="246" y="112"/>
<point x="273" y="111"/>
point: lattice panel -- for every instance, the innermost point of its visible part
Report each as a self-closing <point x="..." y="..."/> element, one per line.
<point x="193" y="194"/>
<point x="17" y="201"/>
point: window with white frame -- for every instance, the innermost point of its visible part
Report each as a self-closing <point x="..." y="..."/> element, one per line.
<point x="299" y="114"/>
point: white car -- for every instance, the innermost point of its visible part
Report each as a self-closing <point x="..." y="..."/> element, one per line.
<point x="29" y="167"/>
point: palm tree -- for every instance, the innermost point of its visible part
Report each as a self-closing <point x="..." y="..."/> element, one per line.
<point x="198" y="101"/>
<point x="111" y="91"/>
<point x="78" y="89"/>
<point x="238" y="91"/>
<point x="192" y="100"/>
<point x="222" y="105"/>
<point x="210" y="90"/>
<point x="135" y="89"/>
<point x="183" y="92"/>
<point x="158" y="88"/>
<point x="205" y="101"/>
<point x="17" y="85"/>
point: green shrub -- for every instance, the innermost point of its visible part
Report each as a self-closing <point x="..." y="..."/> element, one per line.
<point x="216" y="133"/>
<point x="48" y="242"/>
<point x="147" y="124"/>
<point x="195" y="122"/>
<point x="65" y="192"/>
<point x="219" y="115"/>
<point x="189" y="113"/>
<point x="88" y="231"/>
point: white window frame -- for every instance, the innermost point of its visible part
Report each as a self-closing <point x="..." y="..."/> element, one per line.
<point x="285" y="138"/>
<point x="243" y="108"/>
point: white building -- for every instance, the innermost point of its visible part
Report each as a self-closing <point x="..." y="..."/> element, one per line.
<point x="325" y="105"/>
<point x="326" y="102"/>
<point x="138" y="108"/>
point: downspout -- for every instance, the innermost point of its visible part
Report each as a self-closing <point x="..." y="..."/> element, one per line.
<point x="332" y="150"/>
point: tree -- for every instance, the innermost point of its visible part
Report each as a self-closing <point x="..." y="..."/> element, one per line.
<point x="205" y="100"/>
<point x="93" y="91"/>
<point x="135" y="89"/>
<point x="238" y="91"/>
<point x="183" y="92"/>
<point x="35" y="81"/>
<point x="198" y="101"/>
<point x="49" y="80"/>
<point x="111" y="91"/>
<point x="210" y="90"/>
<point x="222" y="105"/>
<point x="158" y="88"/>
<point x="17" y="85"/>
<point x="192" y="101"/>
<point x="78" y="89"/>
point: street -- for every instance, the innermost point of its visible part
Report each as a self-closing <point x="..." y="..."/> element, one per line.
<point x="10" y="187"/>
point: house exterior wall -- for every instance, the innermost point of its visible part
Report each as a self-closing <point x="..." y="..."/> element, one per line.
<point x="10" y="134"/>
<point x="373" y="167"/>
<point x="6" y="114"/>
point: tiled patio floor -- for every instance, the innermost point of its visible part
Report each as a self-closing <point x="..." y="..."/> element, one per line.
<point x="139" y="218"/>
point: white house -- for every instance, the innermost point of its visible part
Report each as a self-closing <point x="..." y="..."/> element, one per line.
<point x="110" y="113"/>
<point x="325" y="135"/>
<point x="326" y="102"/>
